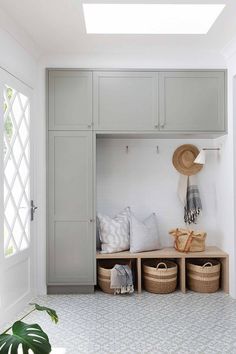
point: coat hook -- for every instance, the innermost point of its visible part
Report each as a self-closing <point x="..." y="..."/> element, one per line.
<point x="127" y="149"/>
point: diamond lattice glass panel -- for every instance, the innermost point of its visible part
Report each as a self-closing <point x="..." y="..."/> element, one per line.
<point x="16" y="171"/>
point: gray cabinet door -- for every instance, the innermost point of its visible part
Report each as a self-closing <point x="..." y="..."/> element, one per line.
<point x="192" y="101"/>
<point x="70" y="100"/>
<point x="125" y="101"/>
<point x="71" y="246"/>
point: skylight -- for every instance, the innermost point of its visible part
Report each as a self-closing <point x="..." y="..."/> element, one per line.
<point x="150" y="18"/>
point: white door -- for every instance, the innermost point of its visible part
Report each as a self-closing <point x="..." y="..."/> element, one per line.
<point x="16" y="242"/>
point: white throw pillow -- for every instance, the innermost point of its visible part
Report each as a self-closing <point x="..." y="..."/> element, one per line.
<point x="144" y="235"/>
<point x="114" y="232"/>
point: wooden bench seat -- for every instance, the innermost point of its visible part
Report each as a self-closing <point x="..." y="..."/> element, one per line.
<point x="170" y="252"/>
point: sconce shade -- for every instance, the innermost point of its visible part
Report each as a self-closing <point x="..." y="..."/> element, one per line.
<point x="201" y="158"/>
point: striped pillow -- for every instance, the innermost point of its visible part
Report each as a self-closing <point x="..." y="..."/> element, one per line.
<point x="114" y="232"/>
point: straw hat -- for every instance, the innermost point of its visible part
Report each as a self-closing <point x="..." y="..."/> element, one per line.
<point x="183" y="160"/>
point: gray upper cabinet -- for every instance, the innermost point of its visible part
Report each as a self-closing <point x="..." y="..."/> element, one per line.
<point x="71" y="245"/>
<point x="192" y="101"/>
<point x="125" y="101"/>
<point x="70" y="100"/>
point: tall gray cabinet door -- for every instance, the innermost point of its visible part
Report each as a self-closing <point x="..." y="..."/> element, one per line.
<point x="70" y="100"/>
<point x="125" y="100"/>
<point x="192" y="101"/>
<point x="71" y="248"/>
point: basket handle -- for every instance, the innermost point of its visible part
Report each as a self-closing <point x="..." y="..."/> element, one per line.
<point x="207" y="263"/>
<point x="161" y="263"/>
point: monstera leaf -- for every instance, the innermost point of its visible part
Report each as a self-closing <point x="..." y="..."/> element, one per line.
<point x="52" y="313"/>
<point x="25" y="335"/>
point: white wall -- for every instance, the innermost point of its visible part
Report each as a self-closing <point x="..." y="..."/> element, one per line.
<point x="147" y="182"/>
<point x="16" y="60"/>
<point x="14" y="55"/>
<point x="166" y="57"/>
<point x="226" y="177"/>
<point x="225" y="198"/>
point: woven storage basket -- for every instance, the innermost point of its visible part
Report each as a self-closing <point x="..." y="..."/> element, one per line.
<point x="203" y="275"/>
<point x="159" y="277"/>
<point x="104" y="273"/>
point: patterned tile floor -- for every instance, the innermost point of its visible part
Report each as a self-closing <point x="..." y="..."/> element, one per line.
<point x="176" y="323"/>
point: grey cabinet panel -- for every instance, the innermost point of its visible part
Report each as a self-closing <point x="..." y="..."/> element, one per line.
<point x="70" y="100"/>
<point x="71" y="245"/>
<point x="192" y="101"/>
<point x="71" y="259"/>
<point x="125" y="100"/>
<point x="72" y="176"/>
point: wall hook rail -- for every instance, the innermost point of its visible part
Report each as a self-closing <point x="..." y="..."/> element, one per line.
<point x="216" y="149"/>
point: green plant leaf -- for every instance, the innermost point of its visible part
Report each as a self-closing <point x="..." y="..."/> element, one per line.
<point x="52" y="313"/>
<point x="30" y="336"/>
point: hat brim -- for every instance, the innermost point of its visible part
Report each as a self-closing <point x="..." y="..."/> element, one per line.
<point x="183" y="160"/>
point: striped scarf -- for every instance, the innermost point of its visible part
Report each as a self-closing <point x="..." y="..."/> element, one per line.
<point x="190" y="197"/>
<point x="122" y="279"/>
<point x="193" y="205"/>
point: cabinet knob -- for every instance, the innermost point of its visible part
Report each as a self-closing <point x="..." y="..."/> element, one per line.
<point x="162" y="125"/>
<point x="89" y="125"/>
<point x="90" y="220"/>
<point x="156" y="126"/>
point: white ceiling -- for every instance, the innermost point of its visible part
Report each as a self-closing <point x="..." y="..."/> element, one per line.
<point x="57" y="27"/>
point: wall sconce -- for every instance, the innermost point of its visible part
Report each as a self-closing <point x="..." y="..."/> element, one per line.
<point x="201" y="157"/>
